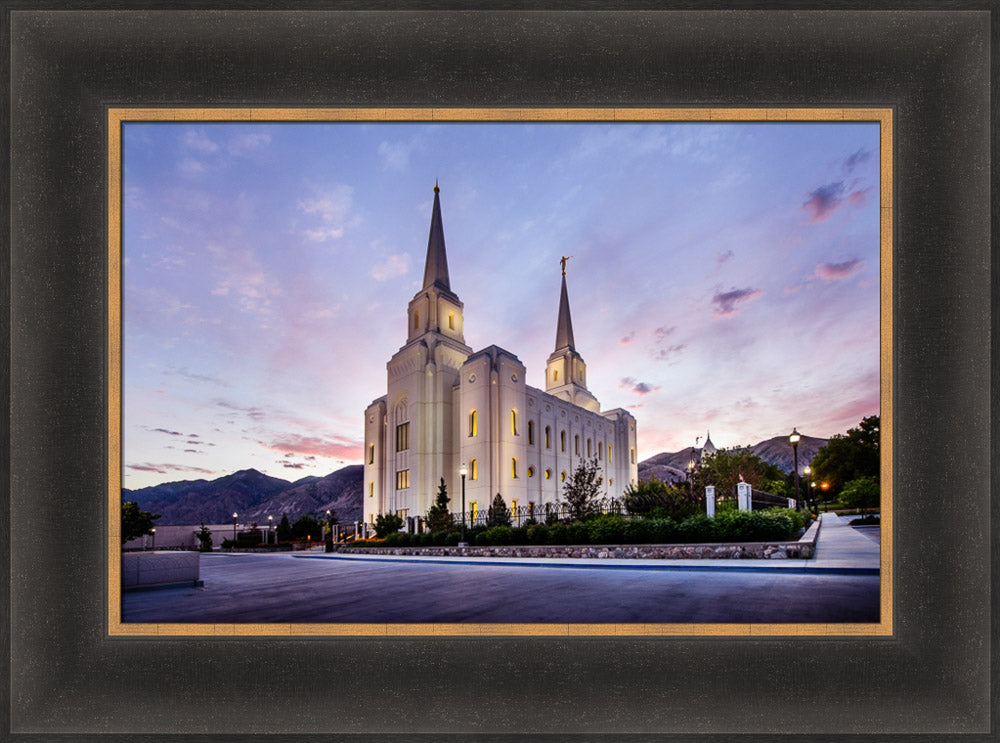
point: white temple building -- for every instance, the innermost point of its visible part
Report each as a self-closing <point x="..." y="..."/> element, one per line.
<point x="449" y="407"/>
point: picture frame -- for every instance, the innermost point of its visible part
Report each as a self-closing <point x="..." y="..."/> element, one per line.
<point x="70" y="676"/>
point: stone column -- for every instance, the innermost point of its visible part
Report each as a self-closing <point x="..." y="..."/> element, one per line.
<point x="743" y="495"/>
<point x="710" y="501"/>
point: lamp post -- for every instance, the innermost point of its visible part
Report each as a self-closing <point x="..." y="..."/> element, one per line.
<point x="807" y="471"/>
<point x="153" y="530"/>
<point x="463" y="472"/>
<point x="329" y="531"/>
<point x="794" y="441"/>
<point x="270" y="526"/>
<point x="690" y="469"/>
<point x="235" y="515"/>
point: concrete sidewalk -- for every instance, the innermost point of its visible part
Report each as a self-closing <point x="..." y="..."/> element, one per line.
<point x="840" y="549"/>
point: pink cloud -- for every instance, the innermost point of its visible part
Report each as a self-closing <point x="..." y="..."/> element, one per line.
<point x="824" y="201"/>
<point x="837" y="271"/>
<point x="317" y="446"/>
<point x="725" y="302"/>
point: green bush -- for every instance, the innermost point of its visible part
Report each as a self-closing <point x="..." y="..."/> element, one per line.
<point x="577" y="533"/>
<point x="496" y="535"/>
<point x="558" y="533"/>
<point x="387" y="523"/>
<point x="662" y="531"/>
<point x="637" y="531"/>
<point x="440" y="538"/>
<point x="698" y="528"/>
<point x="538" y="534"/>
<point x="773" y="524"/>
<point x="452" y="538"/>
<point x="606" y="529"/>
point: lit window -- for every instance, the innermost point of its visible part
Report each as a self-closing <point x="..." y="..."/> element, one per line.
<point x="416" y="319"/>
<point x="611" y="481"/>
<point x="531" y="433"/>
<point x="403" y="436"/>
<point x="611" y="454"/>
<point x="472" y="469"/>
<point x="371" y="454"/>
<point x="402" y="479"/>
<point x="472" y="423"/>
<point x="531" y="471"/>
<point x="562" y="441"/>
<point x="451" y="321"/>
<point x="473" y="510"/>
<point x="555" y="375"/>
<point x="562" y="476"/>
<point x="576" y="445"/>
<point x="371" y="489"/>
<point x="513" y="468"/>
<point x="513" y="509"/>
<point x="632" y="454"/>
<point x="548" y="437"/>
<point x="513" y="422"/>
<point x="548" y="474"/>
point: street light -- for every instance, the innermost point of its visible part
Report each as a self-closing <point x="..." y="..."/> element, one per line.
<point x="235" y="515"/>
<point x="794" y="440"/>
<point x="329" y="531"/>
<point x="463" y="472"/>
<point x="807" y="471"/>
<point x="270" y="525"/>
<point x="154" y="538"/>
<point x="690" y="469"/>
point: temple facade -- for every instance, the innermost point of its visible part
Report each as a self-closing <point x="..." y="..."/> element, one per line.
<point x="448" y="407"/>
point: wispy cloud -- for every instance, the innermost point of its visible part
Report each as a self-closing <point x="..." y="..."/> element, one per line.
<point x="324" y="447"/>
<point x="836" y="271"/>
<point x="394" y="155"/>
<point x="253" y="413"/>
<point x="723" y="257"/>
<point x="163" y="469"/>
<point x="824" y="201"/>
<point x="247" y="142"/>
<point x="625" y="340"/>
<point x="857" y="158"/>
<point x="333" y="208"/>
<point x="633" y="385"/>
<point x="725" y="302"/>
<point x="199" y="141"/>
<point x="391" y="267"/>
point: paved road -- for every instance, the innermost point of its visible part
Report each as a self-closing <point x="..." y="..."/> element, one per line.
<point x="283" y="588"/>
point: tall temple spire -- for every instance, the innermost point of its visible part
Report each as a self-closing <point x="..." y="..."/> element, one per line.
<point x="436" y="267"/>
<point x="564" y="328"/>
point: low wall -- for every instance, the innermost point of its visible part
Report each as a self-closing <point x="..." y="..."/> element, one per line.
<point x="153" y="568"/>
<point x="803" y="549"/>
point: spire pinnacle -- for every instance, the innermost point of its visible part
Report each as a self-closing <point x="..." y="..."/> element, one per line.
<point x="436" y="266"/>
<point x="564" y="327"/>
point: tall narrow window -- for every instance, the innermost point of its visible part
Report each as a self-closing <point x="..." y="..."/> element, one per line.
<point x="632" y="454"/>
<point x="611" y="454"/>
<point x="562" y="476"/>
<point x="451" y="321"/>
<point x="416" y="319"/>
<point x="548" y="437"/>
<point x="576" y="445"/>
<point x="371" y="454"/>
<point x="531" y="471"/>
<point x="588" y="448"/>
<point x="472" y="469"/>
<point x="548" y="474"/>
<point x="513" y="509"/>
<point x="513" y="468"/>
<point x="600" y="450"/>
<point x="531" y="433"/>
<point x="562" y="441"/>
<point x="472" y="423"/>
<point x="403" y="436"/>
<point x="402" y="480"/>
<point x="513" y="422"/>
<point x="371" y="489"/>
<point x="555" y="375"/>
<point x="473" y="510"/>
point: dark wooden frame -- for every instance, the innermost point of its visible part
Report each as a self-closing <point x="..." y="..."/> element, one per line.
<point x="932" y="676"/>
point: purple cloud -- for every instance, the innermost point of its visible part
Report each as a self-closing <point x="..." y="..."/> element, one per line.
<point x="824" y="201"/>
<point x="628" y="338"/>
<point x="723" y="257"/>
<point x="164" y="430"/>
<point x="165" y="468"/>
<point x="640" y="388"/>
<point x="725" y="302"/>
<point x="859" y="157"/>
<point x="837" y="271"/>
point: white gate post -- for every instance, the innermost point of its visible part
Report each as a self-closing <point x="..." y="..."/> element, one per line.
<point x="710" y="501"/>
<point x="743" y="495"/>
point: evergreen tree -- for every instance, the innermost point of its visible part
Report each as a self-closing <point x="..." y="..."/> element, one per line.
<point x="135" y="521"/>
<point x="498" y="514"/>
<point x="439" y="516"/>
<point x="205" y="539"/>
<point x="284" y="529"/>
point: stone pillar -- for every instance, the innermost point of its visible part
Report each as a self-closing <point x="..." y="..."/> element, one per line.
<point x="743" y="495"/>
<point x="791" y="503"/>
<point x="710" y="501"/>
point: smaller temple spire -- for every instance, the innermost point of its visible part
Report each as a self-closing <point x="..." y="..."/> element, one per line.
<point x="436" y="267"/>
<point x="564" y="328"/>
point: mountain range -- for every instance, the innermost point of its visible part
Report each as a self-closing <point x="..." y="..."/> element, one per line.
<point x="255" y="496"/>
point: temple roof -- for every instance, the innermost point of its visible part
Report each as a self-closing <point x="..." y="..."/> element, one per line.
<point x="436" y="266"/>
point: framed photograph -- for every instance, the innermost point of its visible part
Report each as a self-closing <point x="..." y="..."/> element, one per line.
<point x="139" y="111"/>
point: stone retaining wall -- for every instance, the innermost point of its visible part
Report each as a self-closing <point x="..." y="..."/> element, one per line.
<point x="805" y="548"/>
<point x="151" y="568"/>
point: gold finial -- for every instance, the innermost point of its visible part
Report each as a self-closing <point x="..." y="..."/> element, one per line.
<point x="436" y="189"/>
<point x="562" y="262"/>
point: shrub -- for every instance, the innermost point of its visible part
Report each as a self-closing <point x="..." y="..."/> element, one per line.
<point x="637" y="531"/>
<point x="576" y="533"/>
<point x="452" y="538"/>
<point x="558" y="533"/>
<point x="697" y="528"/>
<point x="776" y="524"/>
<point x="658" y="499"/>
<point x="538" y="534"/>
<point x="386" y="523"/>
<point x="498" y="514"/>
<point x="662" y="531"/>
<point x="498" y="535"/>
<point x="606" y="529"/>
<point x="440" y="538"/>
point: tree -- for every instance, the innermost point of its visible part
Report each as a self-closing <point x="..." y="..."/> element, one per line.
<point x="387" y="523"/>
<point x="439" y="516"/>
<point x="498" y="514"/>
<point x="861" y="493"/>
<point x="582" y="489"/>
<point x="654" y="496"/>
<point x="307" y="526"/>
<point x="727" y="467"/>
<point x="851" y="456"/>
<point x="284" y="529"/>
<point x="205" y="538"/>
<point x="135" y="521"/>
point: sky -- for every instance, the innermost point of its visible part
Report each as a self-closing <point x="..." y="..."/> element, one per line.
<point x="724" y="277"/>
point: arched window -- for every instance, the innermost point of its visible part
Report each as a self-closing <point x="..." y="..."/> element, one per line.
<point x="513" y="422"/>
<point x="548" y="437"/>
<point x="588" y="448"/>
<point x="531" y="471"/>
<point x="451" y="321"/>
<point x="555" y="375"/>
<point x="531" y="433"/>
<point x="371" y="489"/>
<point x="472" y="469"/>
<point x="562" y="476"/>
<point x="548" y="474"/>
<point x="632" y="454"/>
<point x="600" y="450"/>
<point x="472" y="423"/>
<point x="371" y="454"/>
<point x="562" y="441"/>
<point x="513" y="468"/>
<point x="611" y="481"/>
<point x="611" y="454"/>
<point x="416" y="319"/>
<point x="576" y="444"/>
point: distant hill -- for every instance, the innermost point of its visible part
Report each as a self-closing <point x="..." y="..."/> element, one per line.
<point x="254" y="496"/>
<point x="776" y="451"/>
